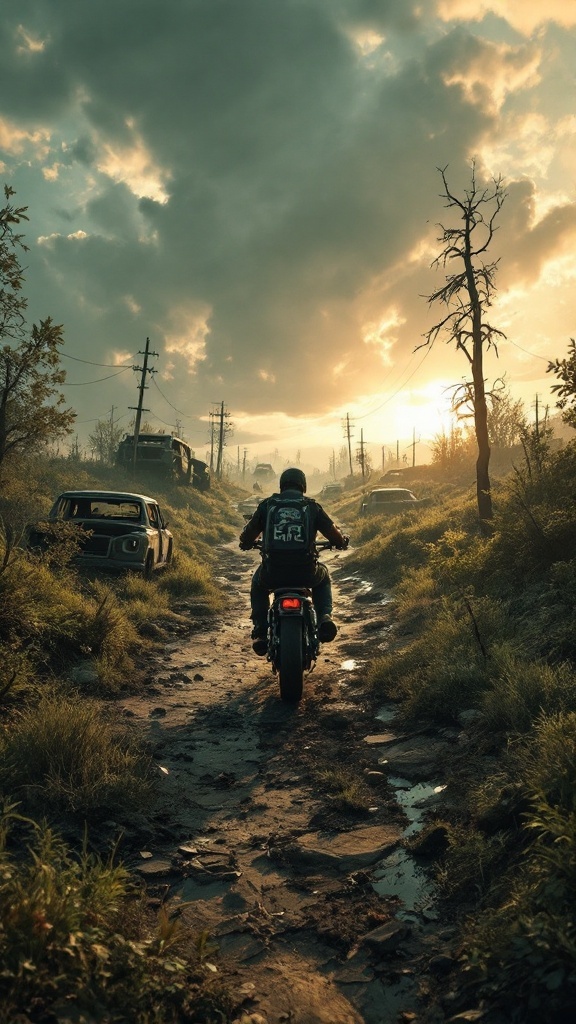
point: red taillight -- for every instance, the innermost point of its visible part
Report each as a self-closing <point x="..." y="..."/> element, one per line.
<point x="290" y="602"/>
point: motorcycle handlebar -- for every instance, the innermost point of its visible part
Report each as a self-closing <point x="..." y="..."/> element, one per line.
<point x="320" y="545"/>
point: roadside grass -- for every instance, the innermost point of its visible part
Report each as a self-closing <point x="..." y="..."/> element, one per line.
<point x="347" y="793"/>
<point x="487" y="627"/>
<point x="188" y="578"/>
<point x="75" y="942"/>
<point x="76" y="939"/>
<point x="66" y="754"/>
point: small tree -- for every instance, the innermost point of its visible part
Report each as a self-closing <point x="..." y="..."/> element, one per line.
<point x="104" y="440"/>
<point x="453" y="451"/>
<point x="506" y="418"/>
<point x="31" y="410"/>
<point x="565" y="370"/>
<point x="467" y="294"/>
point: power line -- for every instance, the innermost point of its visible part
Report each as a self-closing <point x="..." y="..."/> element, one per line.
<point x="525" y="350"/>
<point x="179" y="411"/>
<point x="89" y="363"/>
<point x="98" y="381"/>
<point x="398" y="390"/>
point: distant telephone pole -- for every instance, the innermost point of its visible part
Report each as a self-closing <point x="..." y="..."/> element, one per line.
<point x="142" y="387"/>
<point x="362" y="455"/>
<point x="348" y="434"/>
<point x="221" y="427"/>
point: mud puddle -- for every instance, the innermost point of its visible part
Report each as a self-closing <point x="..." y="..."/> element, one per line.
<point x="312" y="900"/>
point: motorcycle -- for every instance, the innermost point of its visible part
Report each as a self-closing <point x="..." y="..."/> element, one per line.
<point x="293" y="643"/>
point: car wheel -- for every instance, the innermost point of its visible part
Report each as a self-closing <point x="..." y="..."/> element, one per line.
<point x="169" y="554"/>
<point x="149" y="566"/>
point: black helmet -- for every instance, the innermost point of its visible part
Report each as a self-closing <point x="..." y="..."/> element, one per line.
<point x="293" y="478"/>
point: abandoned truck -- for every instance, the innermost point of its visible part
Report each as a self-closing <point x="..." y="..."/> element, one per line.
<point x="166" y="456"/>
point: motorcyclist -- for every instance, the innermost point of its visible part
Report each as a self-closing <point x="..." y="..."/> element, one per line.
<point x="270" y="574"/>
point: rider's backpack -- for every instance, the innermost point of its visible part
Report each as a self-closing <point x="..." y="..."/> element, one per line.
<point x="289" y="531"/>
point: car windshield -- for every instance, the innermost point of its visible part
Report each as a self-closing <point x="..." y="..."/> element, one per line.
<point x="103" y="508"/>
<point x="387" y="496"/>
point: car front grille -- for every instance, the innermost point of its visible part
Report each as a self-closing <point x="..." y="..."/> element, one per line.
<point x="96" y="545"/>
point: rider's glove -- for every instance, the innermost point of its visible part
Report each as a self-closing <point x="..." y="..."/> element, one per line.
<point x="244" y="546"/>
<point x="345" y="543"/>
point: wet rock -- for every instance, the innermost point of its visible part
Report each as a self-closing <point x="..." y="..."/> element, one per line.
<point x="380" y="738"/>
<point x="188" y="850"/>
<point x="156" y="867"/>
<point x="470" y="716"/>
<point x="84" y="674"/>
<point x="387" y="937"/>
<point x="346" y="851"/>
<point x="432" y="842"/>
<point x="505" y="812"/>
<point x="441" y="964"/>
<point x="417" y="758"/>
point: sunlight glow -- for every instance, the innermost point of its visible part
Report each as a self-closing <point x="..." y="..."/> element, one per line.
<point x="497" y="71"/>
<point x="525" y="16"/>
<point x="188" y="338"/>
<point x="267" y="377"/>
<point x="29" y="44"/>
<point x="381" y="335"/>
<point x="133" y="166"/>
<point x="16" y="140"/>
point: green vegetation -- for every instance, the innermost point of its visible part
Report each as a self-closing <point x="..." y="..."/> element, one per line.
<point x="484" y="638"/>
<point x="76" y="942"/>
<point x="76" y="937"/>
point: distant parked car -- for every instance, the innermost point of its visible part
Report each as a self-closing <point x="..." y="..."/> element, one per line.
<point x="393" y="476"/>
<point x="249" y="505"/>
<point x="117" y="530"/>
<point x="391" y="500"/>
<point x="332" y="491"/>
<point x="263" y="473"/>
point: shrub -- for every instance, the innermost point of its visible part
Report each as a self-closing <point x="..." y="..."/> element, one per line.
<point x="522" y="691"/>
<point x="65" y="754"/>
<point x="73" y="945"/>
<point x="186" y="579"/>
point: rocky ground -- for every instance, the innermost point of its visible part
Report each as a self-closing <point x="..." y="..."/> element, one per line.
<point x="282" y="830"/>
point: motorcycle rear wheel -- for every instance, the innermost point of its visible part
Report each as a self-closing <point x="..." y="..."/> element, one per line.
<point x="291" y="667"/>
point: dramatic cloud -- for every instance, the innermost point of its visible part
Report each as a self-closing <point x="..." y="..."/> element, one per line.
<point x="254" y="186"/>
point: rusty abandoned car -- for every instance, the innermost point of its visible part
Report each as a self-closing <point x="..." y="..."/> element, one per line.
<point x="116" y="530"/>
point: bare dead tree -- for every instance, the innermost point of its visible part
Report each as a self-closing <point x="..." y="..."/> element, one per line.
<point x="467" y="294"/>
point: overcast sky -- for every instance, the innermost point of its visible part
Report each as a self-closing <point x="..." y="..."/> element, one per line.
<point x="253" y="185"/>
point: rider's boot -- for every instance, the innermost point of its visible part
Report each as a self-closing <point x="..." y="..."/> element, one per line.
<point x="327" y="629"/>
<point x="259" y="634"/>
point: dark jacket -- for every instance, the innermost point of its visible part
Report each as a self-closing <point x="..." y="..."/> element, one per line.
<point x="321" y="521"/>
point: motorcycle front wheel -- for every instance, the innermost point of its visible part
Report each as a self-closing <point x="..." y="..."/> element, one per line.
<point x="291" y="666"/>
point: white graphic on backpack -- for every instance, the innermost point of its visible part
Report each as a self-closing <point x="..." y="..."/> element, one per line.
<point x="288" y="526"/>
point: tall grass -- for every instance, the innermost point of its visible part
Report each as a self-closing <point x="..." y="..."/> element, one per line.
<point x="66" y="754"/>
<point x="75" y="943"/>
<point x="489" y="625"/>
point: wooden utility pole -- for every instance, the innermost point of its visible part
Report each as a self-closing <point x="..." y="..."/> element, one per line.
<point x="361" y="455"/>
<point x="221" y="416"/>
<point x="211" y="414"/>
<point x="220" y="443"/>
<point x="348" y="435"/>
<point x="142" y="387"/>
<point x="244" y="465"/>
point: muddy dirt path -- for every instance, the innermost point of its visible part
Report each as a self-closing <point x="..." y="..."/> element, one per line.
<point x="299" y="887"/>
